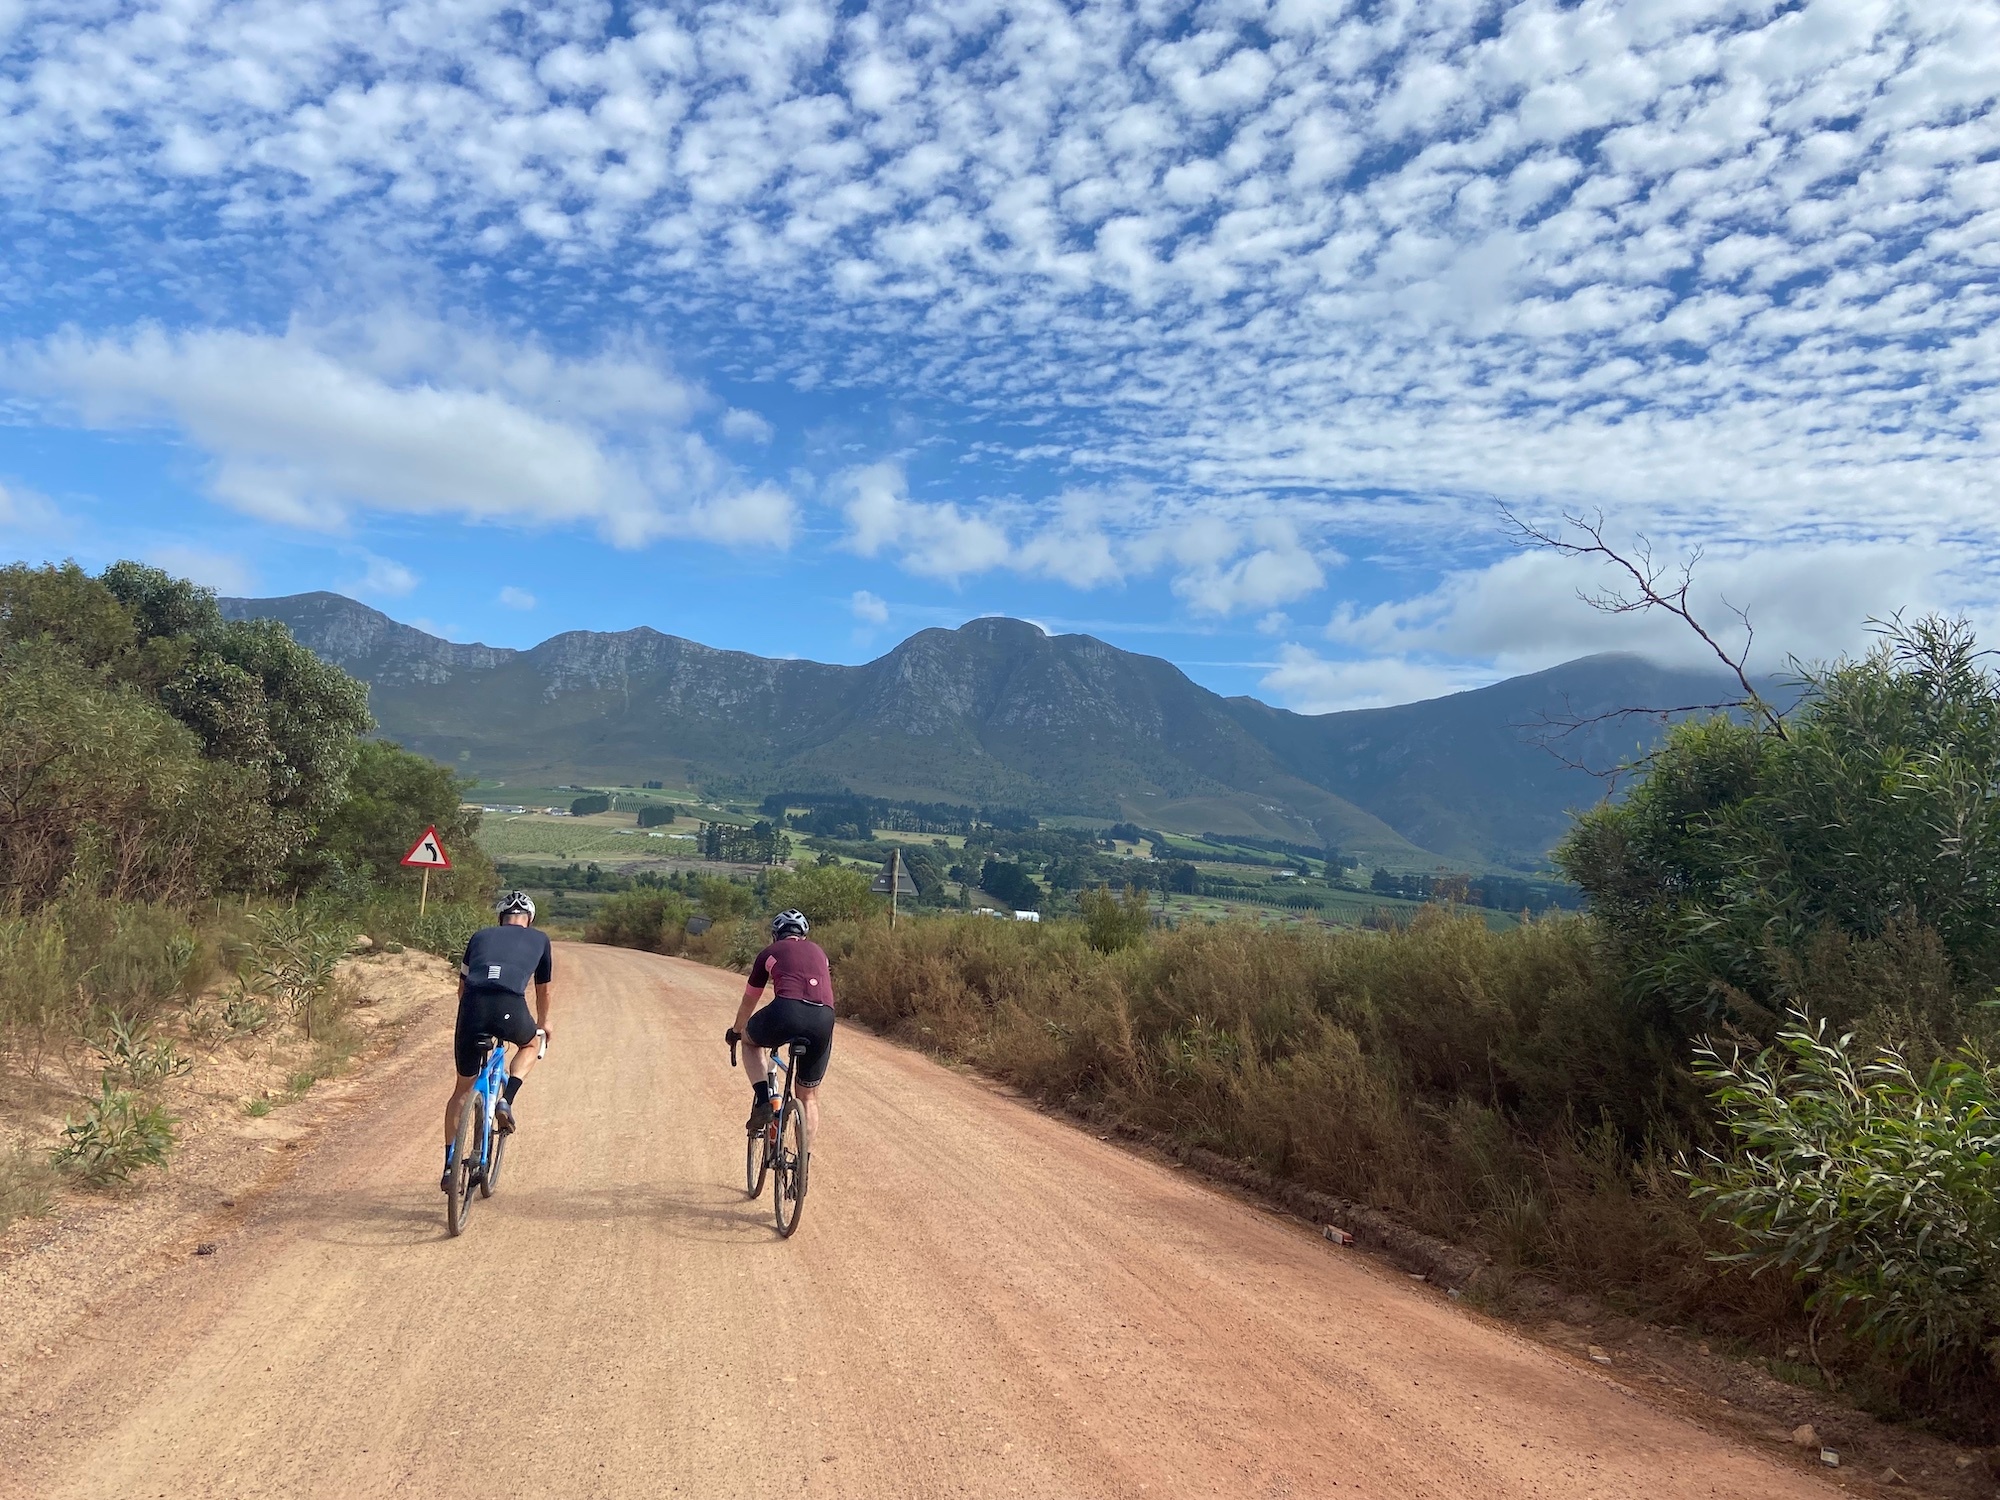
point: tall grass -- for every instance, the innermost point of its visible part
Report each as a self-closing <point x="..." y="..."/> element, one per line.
<point x="1489" y="1087"/>
<point x="78" y="966"/>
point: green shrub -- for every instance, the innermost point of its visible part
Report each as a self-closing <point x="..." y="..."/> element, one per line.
<point x="118" y="1134"/>
<point x="444" y="928"/>
<point x="1871" y="1184"/>
<point x="825" y="893"/>
<point x="291" y="960"/>
<point x="135" y="1058"/>
<point x="654" y="920"/>
<point x="1111" y="923"/>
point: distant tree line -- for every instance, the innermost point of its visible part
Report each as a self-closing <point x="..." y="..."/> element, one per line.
<point x="1496" y="892"/>
<point x="759" y="844"/>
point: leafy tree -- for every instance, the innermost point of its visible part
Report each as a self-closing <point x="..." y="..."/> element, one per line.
<point x="825" y="893"/>
<point x="1758" y="866"/>
<point x="1007" y="882"/>
<point x="590" y="802"/>
<point x="724" y="899"/>
<point x="392" y="795"/>
<point x="102" y="792"/>
<point x="654" y="817"/>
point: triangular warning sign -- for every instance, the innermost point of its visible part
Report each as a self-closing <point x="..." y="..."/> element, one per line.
<point x="428" y="853"/>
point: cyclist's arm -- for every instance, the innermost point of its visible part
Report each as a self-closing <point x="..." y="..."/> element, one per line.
<point x="544" y="993"/>
<point x="752" y="993"/>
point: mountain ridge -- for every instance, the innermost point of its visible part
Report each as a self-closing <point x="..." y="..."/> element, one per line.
<point x="999" y="712"/>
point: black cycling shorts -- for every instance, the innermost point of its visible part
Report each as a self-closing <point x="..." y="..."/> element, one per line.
<point x="489" y="1013"/>
<point x="782" y="1020"/>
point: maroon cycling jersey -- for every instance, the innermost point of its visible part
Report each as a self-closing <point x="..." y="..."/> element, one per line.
<point x="796" y="969"/>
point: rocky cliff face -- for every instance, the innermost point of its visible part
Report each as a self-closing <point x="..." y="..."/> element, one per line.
<point x="997" y="712"/>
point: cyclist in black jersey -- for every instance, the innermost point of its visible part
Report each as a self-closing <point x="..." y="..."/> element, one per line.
<point x="500" y="963"/>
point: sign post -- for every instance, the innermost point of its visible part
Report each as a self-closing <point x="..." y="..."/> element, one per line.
<point x="427" y="854"/>
<point x="894" y="881"/>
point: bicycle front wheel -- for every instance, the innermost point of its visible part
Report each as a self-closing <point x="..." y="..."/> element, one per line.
<point x="789" y="1197"/>
<point x="465" y="1164"/>
<point x="492" y="1178"/>
<point x="756" y="1162"/>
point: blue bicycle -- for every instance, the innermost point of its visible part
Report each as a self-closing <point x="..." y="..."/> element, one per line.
<point x="481" y="1147"/>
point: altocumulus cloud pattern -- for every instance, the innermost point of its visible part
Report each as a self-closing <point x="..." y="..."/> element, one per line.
<point x="1273" y="281"/>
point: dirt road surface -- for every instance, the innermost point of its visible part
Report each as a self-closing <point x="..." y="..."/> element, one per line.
<point x="982" y="1301"/>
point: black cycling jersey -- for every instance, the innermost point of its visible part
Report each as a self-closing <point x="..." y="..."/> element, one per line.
<point x="507" y="958"/>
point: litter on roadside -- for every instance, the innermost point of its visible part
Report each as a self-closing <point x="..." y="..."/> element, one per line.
<point x="1338" y="1235"/>
<point x="1828" y="1457"/>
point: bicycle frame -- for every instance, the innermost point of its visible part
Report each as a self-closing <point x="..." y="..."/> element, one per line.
<point x="488" y="1090"/>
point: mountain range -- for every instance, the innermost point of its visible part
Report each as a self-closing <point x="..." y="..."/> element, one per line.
<point x="999" y="713"/>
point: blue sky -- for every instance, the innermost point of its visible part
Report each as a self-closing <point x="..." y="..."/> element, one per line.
<point x="1223" y="331"/>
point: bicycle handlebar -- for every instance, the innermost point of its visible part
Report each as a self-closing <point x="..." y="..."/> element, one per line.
<point x="541" y="1043"/>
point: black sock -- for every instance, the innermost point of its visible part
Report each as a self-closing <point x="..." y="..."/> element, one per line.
<point x="763" y="1088"/>
<point x="513" y="1088"/>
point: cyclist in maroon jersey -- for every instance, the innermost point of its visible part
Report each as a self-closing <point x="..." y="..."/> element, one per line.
<point x="795" y="969"/>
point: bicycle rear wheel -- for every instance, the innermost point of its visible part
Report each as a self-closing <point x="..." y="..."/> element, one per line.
<point x="492" y="1178"/>
<point x="789" y="1196"/>
<point x="756" y="1162"/>
<point x="465" y="1164"/>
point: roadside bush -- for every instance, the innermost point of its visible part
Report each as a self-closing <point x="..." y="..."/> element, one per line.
<point x="653" y="920"/>
<point x="1870" y="1183"/>
<point x="291" y="959"/>
<point x="1111" y="923"/>
<point x="825" y="893"/>
<point x="443" y="929"/>
<point x="117" y="1134"/>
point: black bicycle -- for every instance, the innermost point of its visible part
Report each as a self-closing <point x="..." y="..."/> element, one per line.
<point x="779" y="1150"/>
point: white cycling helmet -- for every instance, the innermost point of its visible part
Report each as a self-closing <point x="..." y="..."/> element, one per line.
<point x="515" y="901"/>
<point x="791" y="923"/>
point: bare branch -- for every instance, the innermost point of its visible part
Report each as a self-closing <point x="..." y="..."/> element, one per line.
<point x="1549" y="731"/>
<point x="1653" y="585"/>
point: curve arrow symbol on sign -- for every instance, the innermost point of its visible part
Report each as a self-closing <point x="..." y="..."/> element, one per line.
<point x="428" y="853"/>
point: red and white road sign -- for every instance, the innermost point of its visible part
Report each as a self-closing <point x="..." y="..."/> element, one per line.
<point x="428" y="853"/>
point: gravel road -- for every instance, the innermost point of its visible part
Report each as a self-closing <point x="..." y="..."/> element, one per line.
<point x="982" y="1301"/>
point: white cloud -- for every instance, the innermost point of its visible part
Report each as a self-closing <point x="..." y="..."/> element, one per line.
<point x="1523" y="612"/>
<point x="25" y="510"/>
<point x="318" y="424"/>
<point x="1725" y="269"/>
<point x="1312" y="684"/>
<point x="935" y="539"/>
<point x="1278" y="571"/>
<point x="746" y="426"/>
<point x="515" y="598"/>
<point x="225" y="572"/>
<point x="869" y="608"/>
<point x="383" y="577"/>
